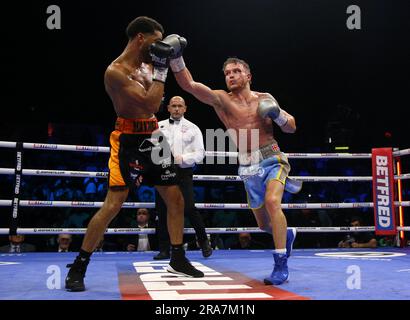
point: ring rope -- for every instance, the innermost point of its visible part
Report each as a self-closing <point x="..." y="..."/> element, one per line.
<point x="85" y="174"/>
<point x="234" y="230"/>
<point x="80" y="204"/>
<point x="79" y="148"/>
<point x="205" y="206"/>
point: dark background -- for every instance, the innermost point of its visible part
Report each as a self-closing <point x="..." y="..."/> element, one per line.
<point x="348" y="84"/>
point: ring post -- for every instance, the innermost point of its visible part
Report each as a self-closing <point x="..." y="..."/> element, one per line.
<point x="17" y="184"/>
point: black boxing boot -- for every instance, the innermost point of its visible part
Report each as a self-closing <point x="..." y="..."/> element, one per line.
<point x="179" y="264"/>
<point x="75" y="278"/>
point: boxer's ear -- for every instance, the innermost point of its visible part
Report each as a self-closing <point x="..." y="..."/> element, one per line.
<point x="140" y="37"/>
<point x="249" y="75"/>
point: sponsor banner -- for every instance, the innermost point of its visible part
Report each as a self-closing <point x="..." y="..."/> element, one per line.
<point x="14" y="221"/>
<point x="149" y="280"/>
<point x="297" y="154"/>
<point x="39" y="203"/>
<point x="214" y="205"/>
<point x="383" y="191"/>
<point x="87" y="148"/>
<point x="360" y="254"/>
<point x="231" y="178"/>
<point x="83" y="204"/>
<point x="329" y="205"/>
<point x="58" y="230"/>
<point x="45" y="146"/>
<point x="296" y="206"/>
<point x="329" y="155"/>
<point x="50" y="172"/>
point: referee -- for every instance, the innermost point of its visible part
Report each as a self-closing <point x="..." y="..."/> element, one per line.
<point x="186" y="141"/>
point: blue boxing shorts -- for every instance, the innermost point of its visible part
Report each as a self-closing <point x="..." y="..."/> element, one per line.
<point x="256" y="169"/>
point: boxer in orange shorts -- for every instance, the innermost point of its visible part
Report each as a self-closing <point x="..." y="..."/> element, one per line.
<point x="135" y="84"/>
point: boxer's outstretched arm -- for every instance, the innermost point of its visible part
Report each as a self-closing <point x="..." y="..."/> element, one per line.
<point x="200" y="91"/>
<point x="150" y="100"/>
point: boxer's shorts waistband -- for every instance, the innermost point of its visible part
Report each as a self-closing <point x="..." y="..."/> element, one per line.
<point x="136" y="126"/>
<point x="254" y="157"/>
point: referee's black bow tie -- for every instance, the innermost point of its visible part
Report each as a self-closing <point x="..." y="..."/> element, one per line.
<point x="172" y="121"/>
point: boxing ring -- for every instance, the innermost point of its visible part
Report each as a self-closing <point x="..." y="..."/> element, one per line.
<point x="339" y="274"/>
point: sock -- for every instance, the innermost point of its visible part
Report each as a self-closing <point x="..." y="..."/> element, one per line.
<point x="84" y="255"/>
<point x="177" y="251"/>
<point x="177" y="247"/>
<point x="279" y="251"/>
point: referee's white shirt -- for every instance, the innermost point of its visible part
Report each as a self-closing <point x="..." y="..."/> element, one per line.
<point x="185" y="139"/>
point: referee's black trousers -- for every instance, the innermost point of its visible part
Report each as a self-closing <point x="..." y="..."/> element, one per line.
<point x="186" y="185"/>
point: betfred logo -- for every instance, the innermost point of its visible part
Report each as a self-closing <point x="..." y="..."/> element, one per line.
<point x="45" y="146"/>
<point x="39" y="203"/>
<point x="383" y="191"/>
<point x="87" y="148"/>
<point x="296" y="206"/>
<point x="214" y="205"/>
<point x="151" y="281"/>
<point x="82" y="204"/>
<point x="329" y="205"/>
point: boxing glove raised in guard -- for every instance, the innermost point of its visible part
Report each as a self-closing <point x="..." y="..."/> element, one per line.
<point x="161" y="54"/>
<point x="270" y="108"/>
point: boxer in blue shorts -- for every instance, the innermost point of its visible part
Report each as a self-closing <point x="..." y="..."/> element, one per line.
<point x="273" y="165"/>
<point x="242" y="109"/>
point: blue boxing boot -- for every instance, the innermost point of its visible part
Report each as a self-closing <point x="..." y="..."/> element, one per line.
<point x="280" y="273"/>
<point x="290" y="238"/>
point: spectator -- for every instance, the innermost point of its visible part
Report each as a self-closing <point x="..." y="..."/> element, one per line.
<point x="64" y="242"/>
<point x="194" y="244"/>
<point x="76" y="218"/>
<point x="76" y="193"/>
<point x="142" y="242"/>
<point x="358" y="239"/>
<point x="246" y="242"/>
<point x="228" y="219"/>
<point x="216" y="242"/>
<point x="17" y="245"/>
<point x="146" y="194"/>
<point x="90" y="188"/>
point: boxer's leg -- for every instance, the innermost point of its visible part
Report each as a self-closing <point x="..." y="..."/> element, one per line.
<point x="96" y="228"/>
<point x="95" y="232"/>
<point x="264" y="223"/>
<point x="263" y="220"/>
<point x="273" y="200"/>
